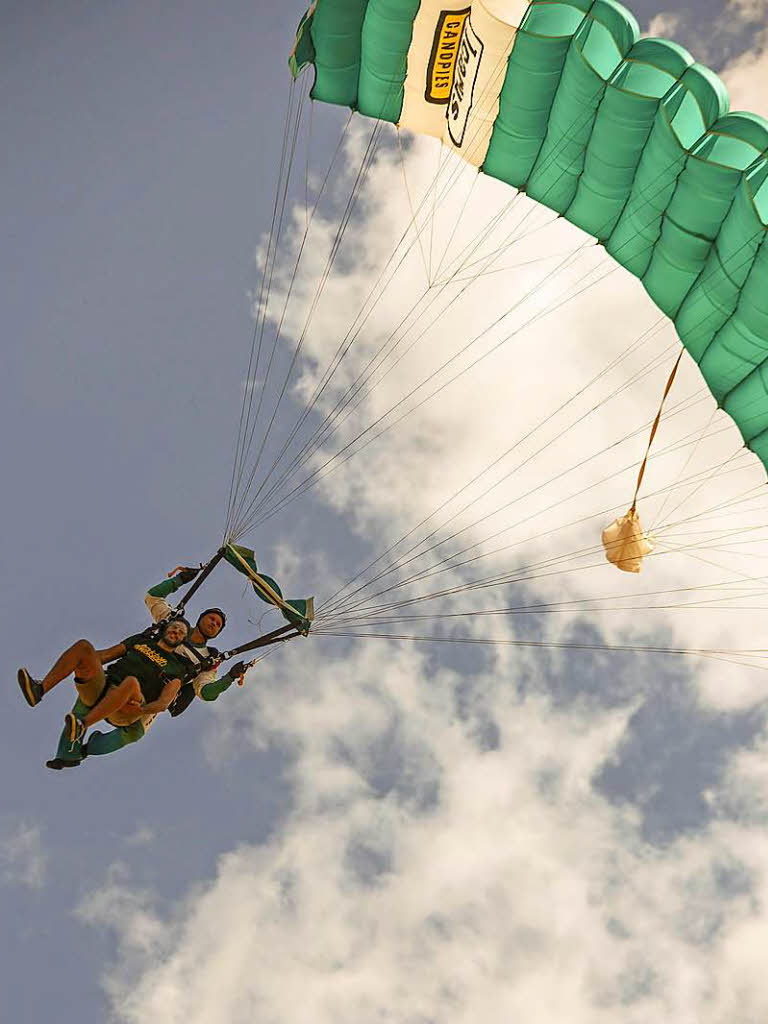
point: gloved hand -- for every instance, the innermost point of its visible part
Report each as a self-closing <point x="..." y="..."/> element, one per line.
<point x="186" y="573"/>
<point x="237" y="670"/>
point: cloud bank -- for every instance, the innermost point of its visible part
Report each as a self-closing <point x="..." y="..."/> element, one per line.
<point x="448" y="858"/>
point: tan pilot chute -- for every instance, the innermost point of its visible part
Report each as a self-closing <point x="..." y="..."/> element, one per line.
<point x="625" y="542"/>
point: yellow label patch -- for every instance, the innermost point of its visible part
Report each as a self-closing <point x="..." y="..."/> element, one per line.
<point x="152" y="655"/>
<point x="445" y="52"/>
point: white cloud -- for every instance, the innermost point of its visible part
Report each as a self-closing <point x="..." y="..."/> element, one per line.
<point x="749" y="11"/>
<point x="422" y="875"/>
<point x="742" y="26"/>
<point x="747" y="76"/>
<point x="141" y="933"/>
<point x="665" y="25"/>
<point x="23" y="858"/>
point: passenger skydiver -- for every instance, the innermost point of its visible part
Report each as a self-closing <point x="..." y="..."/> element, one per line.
<point x="144" y="680"/>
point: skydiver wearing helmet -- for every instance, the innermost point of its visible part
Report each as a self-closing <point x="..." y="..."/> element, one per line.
<point x="87" y="664"/>
<point x="195" y="648"/>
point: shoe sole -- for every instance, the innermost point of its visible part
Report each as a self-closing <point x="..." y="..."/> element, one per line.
<point x="58" y="763"/>
<point x="25" y="684"/>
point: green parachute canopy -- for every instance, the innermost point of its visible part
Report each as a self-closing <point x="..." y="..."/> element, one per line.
<point x="627" y="138"/>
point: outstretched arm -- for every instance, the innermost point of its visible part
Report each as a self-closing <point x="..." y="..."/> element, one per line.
<point x="205" y="685"/>
<point x="155" y="598"/>
<point x="214" y="689"/>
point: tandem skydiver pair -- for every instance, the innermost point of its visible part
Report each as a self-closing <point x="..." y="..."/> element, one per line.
<point x="162" y="668"/>
<point x="127" y="685"/>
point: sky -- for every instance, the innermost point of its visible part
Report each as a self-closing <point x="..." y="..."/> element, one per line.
<point x="369" y="830"/>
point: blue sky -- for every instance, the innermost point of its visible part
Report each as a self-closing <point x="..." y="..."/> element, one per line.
<point x="352" y="805"/>
<point x="136" y="184"/>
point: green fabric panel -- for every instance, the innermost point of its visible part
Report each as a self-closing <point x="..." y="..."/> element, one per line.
<point x="682" y="118"/>
<point x="650" y="56"/>
<point x="740" y="346"/>
<point x="552" y="20"/>
<point x="337" y="38"/>
<point x="596" y="50"/>
<point x="748" y="407"/>
<point x="711" y="102"/>
<point x="301" y="610"/>
<point x="757" y="188"/>
<point x="271" y="582"/>
<point x="715" y="295"/>
<point x="533" y="75"/>
<point x="622" y="126"/>
<point x="639" y="225"/>
<point x="734" y="361"/>
<point x="678" y="256"/>
<point x="386" y="38"/>
<point x="760" y="447"/>
<point x="701" y="201"/>
<point x="751" y="129"/>
<point x="303" y="49"/>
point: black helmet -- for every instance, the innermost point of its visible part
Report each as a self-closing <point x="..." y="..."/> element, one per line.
<point x="215" y="611"/>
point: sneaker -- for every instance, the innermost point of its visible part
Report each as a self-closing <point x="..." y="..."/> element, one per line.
<point x="32" y="689"/>
<point x="58" y="763"/>
<point x="74" y="726"/>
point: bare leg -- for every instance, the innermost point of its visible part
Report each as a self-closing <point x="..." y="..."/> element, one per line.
<point x="81" y="658"/>
<point x="128" y="692"/>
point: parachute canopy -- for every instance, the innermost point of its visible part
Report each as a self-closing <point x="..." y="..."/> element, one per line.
<point x="627" y="138"/>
